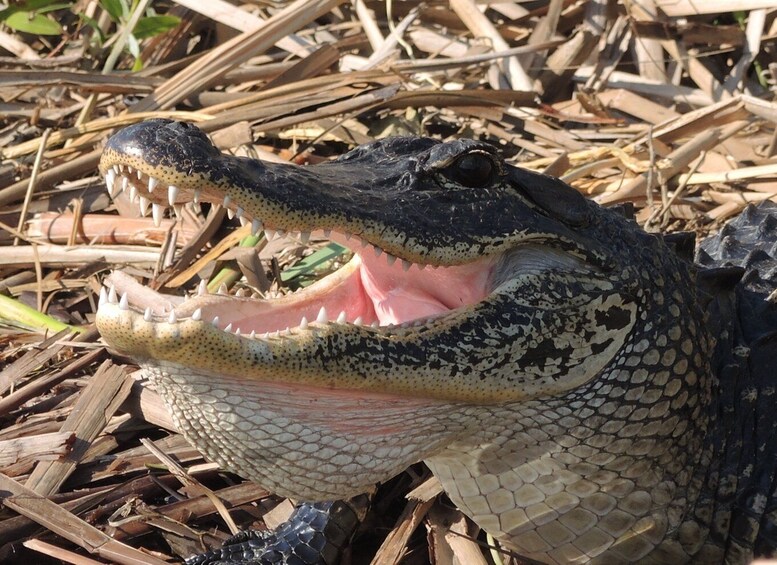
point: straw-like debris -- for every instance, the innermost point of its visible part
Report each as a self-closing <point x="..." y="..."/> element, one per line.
<point x="653" y="103"/>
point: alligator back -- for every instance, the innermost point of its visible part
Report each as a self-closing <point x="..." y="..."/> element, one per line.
<point x="739" y="499"/>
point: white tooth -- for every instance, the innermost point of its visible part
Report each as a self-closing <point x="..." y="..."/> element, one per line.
<point x="172" y="194"/>
<point x="341" y="317"/>
<point x="406" y="265"/>
<point x="143" y="205"/>
<point x="243" y="221"/>
<point x="287" y="331"/>
<point x="124" y="183"/>
<point x="130" y="170"/>
<point x="253" y="334"/>
<point x="269" y="235"/>
<point x="215" y="321"/>
<point x="202" y="288"/>
<point x="226" y="201"/>
<point x="133" y="195"/>
<point x="238" y="211"/>
<point x="256" y="225"/>
<point x="103" y="297"/>
<point x="228" y="328"/>
<point x="140" y="175"/>
<point x="112" y="297"/>
<point x="121" y="168"/>
<point x="152" y="182"/>
<point x="266" y="335"/>
<point x="375" y="324"/>
<point x="147" y="314"/>
<point x="358" y="321"/>
<point x="230" y="213"/>
<point x="281" y="233"/>
<point x="172" y="318"/>
<point x="196" y="197"/>
<point x="237" y="332"/>
<point x="110" y="177"/>
<point x="124" y="303"/>
<point x="322" y="317"/>
<point x="303" y="323"/>
<point x="115" y="169"/>
<point x="178" y="209"/>
<point x="197" y="315"/>
<point x="304" y="237"/>
<point x="378" y="251"/>
<point x="156" y="212"/>
<point x="223" y="290"/>
<point x="390" y="259"/>
<point x="277" y="334"/>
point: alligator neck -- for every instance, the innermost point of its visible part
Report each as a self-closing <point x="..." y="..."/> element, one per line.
<point x="613" y="465"/>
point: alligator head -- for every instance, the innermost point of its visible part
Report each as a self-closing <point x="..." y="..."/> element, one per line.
<point x="480" y="297"/>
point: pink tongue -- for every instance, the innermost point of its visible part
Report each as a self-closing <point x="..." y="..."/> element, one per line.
<point x="399" y="296"/>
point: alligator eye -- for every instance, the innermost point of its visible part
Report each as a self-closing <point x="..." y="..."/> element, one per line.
<point x="474" y="170"/>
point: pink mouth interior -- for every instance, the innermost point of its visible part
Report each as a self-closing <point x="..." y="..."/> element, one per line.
<point x="367" y="288"/>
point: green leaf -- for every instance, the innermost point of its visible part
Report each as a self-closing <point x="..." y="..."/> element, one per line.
<point x="114" y="8"/>
<point x="33" y="23"/>
<point x="154" y="25"/>
<point x="313" y="262"/>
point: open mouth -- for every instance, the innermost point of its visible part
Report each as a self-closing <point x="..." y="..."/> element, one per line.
<point x="374" y="289"/>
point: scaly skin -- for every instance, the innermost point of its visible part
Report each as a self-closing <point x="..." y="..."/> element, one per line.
<point x="556" y="371"/>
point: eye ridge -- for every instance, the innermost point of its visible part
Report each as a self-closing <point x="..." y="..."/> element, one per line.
<point x="475" y="169"/>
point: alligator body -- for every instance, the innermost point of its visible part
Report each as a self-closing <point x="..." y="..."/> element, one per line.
<point x="582" y="392"/>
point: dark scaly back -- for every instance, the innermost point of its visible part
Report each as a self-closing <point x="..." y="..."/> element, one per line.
<point x="739" y="273"/>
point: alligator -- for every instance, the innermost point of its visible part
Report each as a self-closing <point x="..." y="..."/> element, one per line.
<point x="582" y="391"/>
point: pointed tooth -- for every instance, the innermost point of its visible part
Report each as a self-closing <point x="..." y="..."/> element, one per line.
<point x="243" y="221"/>
<point x="196" y="196"/>
<point x="133" y="194"/>
<point x="378" y="251"/>
<point x="223" y="290"/>
<point x="152" y="182"/>
<point x="363" y="242"/>
<point x="229" y="327"/>
<point x="406" y="265"/>
<point x="277" y="334"/>
<point x="202" y="288"/>
<point x="375" y="324"/>
<point x="303" y="323"/>
<point x="112" y="297"/>
<point x="230" y="213"/>
<point x="110" y="179"/>
<point x="253" y="334"/>
<point x="281" y="233"/>
<point x="124" y="183"/>
<point x="322" y="317"/>
<point x="156" y="213"/>
<point x="304" y="237"/>
<point x="358" y="321"/>
<point x="197" y="315"/>
<point x="215" y="321"/>
<point x="341" y="317"/>
<point x="237" y="332"/>
<point x="172" y="194"/>
<point x="348" y="237"/>
<point x="139" y="174"/>
<point x="269" y="235"/>
<point x="421" y="266"/>
<point x="226" y="201"/>
<point x="172" y="318"/>
<point x="121" y="168"/>
<point x="287" y="331"/>
<point x="390" y="259"/>
<point x="143" y="205"/>
<point x="327" y="233"/>
<point x="130" y="169"/>
<point x="103" y="297"/>
<point x="256" y="225"/>
<point x="239" y="212"/>
<point x="178" y="209"/>
<point x="147" y="314"/>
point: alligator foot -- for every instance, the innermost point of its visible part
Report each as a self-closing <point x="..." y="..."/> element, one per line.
<point x="315" y="534"/>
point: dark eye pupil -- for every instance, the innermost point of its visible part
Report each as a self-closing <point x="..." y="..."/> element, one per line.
<point x="472" y="170"/>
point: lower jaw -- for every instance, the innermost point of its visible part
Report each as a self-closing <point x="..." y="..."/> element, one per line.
<point x="306" y="442"/>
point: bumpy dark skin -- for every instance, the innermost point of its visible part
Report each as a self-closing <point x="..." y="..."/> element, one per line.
<point x="590" y="397"/>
